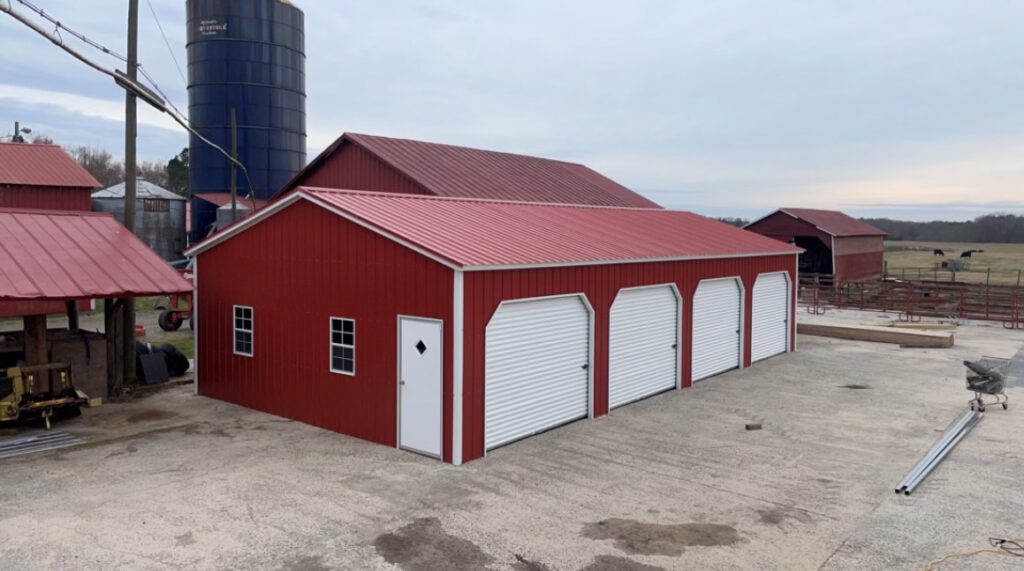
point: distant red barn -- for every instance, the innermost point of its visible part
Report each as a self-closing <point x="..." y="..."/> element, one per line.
<point x="454" y="326"/>
<point x="834" y="243"/>
<point x="41" y="177"/>
<point x="383" y="164"/>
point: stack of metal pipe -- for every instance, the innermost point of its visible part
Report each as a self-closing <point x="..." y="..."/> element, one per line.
<point x="938" y="452"/>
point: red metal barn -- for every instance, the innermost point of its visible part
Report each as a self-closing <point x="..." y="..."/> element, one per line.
<point x="383" y="164"/>
<point x="834" y="243"/>
<point x="454" y="326"/>
<point x="41" y="177"/>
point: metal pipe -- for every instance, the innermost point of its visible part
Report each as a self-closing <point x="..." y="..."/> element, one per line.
<point x="950" y="433"/>
<point x="945" y="451"/>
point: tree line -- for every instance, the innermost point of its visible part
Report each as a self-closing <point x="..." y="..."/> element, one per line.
<point x="172" y="175"/>
<point x="999" y="227"/>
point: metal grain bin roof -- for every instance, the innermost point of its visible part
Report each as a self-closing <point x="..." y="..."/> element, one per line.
<point x="143" y="189"/>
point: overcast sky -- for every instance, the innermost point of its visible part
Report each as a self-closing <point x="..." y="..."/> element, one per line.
<point x="911" y="109"/>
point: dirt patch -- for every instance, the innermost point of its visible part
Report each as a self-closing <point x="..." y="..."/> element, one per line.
<point x="616" y="563"/>
<point x="640" y="538"/>
<point x="306" y="563"/>
<point x="151" y="415"/>
<point x="425" y="545"/>
<point x="778" y="515"/>
<point x="184" y="540"/>
<point x="855" y="387"/>
<point x="524" y="564"/>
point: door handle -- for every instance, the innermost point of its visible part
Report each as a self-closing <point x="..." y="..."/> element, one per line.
<point x="675" y="345"/>
<point x="402" y="382"/>
<point x="585" y="366"/>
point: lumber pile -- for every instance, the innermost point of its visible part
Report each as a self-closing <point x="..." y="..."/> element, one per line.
<point x="901" y="337"/>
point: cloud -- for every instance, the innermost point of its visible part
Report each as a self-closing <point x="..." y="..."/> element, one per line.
<point x="91" y="107"/>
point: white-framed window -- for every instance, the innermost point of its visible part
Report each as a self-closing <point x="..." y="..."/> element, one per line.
<point x="343" y="346"/>
<point x="243" y="330"/>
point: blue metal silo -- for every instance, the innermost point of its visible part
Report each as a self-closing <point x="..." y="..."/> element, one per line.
<point x="249" y="55"/>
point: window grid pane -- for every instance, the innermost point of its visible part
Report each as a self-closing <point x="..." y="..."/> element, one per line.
<point x="343" y="340"/>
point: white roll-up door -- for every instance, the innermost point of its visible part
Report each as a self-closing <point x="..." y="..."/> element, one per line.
<point x="536" y="367"/>
<point x="643" y="343"/>
<point x="769" y="321"/>
<point x="717" y="322"/>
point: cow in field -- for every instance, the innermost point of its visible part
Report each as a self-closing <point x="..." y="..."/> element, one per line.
<point x="938" y="252"/>
<point x="967" y="253"/>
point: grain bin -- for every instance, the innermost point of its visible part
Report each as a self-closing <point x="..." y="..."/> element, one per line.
<point x="159" y="215"/>
<point x="248" y="56"/>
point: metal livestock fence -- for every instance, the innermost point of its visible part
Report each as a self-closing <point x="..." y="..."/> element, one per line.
<point x="916" y="299"/>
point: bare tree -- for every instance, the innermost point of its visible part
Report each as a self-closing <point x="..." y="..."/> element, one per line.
<point x="153" y="171"/>
<point x="100" y="164"/>
<point x="42" y="140"/>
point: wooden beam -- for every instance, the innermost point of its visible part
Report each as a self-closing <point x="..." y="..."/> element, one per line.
<point x="36" y="351"/>
<point x="903" y="337"/>
<point x="112" y="322"/>
<point x="72" y="306"/>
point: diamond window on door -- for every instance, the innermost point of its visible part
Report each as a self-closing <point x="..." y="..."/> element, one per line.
<point x="421" y="347"/>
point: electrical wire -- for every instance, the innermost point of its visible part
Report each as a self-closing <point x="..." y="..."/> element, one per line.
<point x="1012" y="547"/>
<point x="166" y="42"/>
<point x="173" y="112"/>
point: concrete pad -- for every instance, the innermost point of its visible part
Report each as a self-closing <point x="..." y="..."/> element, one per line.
<point x="671" y="482"/>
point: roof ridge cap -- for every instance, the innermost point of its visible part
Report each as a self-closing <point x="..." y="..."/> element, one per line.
<point x="407" y="196"/>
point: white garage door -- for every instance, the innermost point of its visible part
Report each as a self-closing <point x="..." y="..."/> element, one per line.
<point x="642" y="343"/>
<point x="536" y="367"/>
<point x="769" y="321"/>
<point x="716" y="327"/>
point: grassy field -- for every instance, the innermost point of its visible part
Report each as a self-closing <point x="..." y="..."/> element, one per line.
<point x="999" y="262"/>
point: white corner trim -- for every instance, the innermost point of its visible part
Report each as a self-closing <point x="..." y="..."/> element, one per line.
<point x="458" y="315"/>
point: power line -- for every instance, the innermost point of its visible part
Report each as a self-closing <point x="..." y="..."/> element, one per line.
<point x="166" y="43"/>
<point x="122" y="80"/>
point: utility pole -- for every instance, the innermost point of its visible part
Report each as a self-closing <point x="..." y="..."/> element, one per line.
<point x="130" y="133"/>
<point x="234" y="174"/>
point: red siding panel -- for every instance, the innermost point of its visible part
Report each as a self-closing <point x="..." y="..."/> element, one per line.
<point x="353" y="167"/>
<point x="859" y="258"/>
<point x="46" y="198"/>
<point x="484" y="290"/>
<point x="297" y="269"/>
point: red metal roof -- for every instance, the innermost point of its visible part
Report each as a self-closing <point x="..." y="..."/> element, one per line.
<point x="26" y="164"/>
<point x="54" y="255"/>
<point x="834" y="222"/>
<point x="447" y="170"/>
<point x="487" y="234"/>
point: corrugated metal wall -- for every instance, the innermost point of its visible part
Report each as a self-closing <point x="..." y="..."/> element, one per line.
<point x="859" y="258"/>
<point x="46" y="198"/>
<point x="297" y="269"/>
<point x="353" y="168"/>
<point x="484" y="290"/>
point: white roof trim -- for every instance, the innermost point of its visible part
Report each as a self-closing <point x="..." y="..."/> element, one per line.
<point x="297" y="195"/>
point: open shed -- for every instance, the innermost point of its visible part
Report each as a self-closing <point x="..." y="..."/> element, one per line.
<point x="61" y="257"/>
<point x="456" y="325"/>
<point x="835" y="244"/>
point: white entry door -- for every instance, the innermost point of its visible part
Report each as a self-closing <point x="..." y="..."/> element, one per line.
<point x="536" y="367"/>
<point x="717" y="325"/>
<point x="419" y="385"/>
<point x="643" y="343"/>
<point x="769" y="322"/>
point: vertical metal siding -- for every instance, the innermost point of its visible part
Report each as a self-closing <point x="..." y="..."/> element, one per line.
<point x="354" y="168"/>
<point x="859" y="258"/>
<point x="46" y="198"/>
<point x="485" y="290"/>
<point x="296" y="269"/>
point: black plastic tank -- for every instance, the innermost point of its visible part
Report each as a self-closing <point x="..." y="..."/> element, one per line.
<point x="250" y="55"/>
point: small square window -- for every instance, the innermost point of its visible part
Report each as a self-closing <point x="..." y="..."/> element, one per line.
<point x="243" y="330"/>
<point x="343" y="345"/>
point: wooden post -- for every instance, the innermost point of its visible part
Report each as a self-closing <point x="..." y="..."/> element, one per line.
<point x="113" y="315"/>
<point x="72" y="306"/>
<point x="36" y="352"/>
